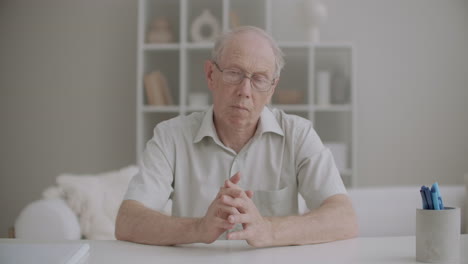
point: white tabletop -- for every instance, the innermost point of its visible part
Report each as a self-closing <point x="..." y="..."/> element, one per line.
<point x="358" y="250"/>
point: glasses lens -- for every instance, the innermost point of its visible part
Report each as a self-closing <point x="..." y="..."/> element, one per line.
<point x="260" y="83"/>
<point x="232" y="76"/>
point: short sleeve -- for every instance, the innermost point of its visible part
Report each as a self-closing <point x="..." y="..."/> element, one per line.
<point x="317" y="175"/>
<point x="153" y="184"/>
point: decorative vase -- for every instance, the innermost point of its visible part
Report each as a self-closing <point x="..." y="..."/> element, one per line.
<point x="205" y="27"/>
<point x="316" y="15"/>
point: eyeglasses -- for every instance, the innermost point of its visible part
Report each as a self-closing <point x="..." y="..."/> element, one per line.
<point x="235" y="76"/>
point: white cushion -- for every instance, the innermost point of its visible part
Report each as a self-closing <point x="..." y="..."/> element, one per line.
<point x="96" y="199"/>
<point x="49" y="219"/>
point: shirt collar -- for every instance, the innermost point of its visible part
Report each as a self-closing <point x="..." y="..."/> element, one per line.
<point x="268" y="123"/>
<point x="207" y="128"/>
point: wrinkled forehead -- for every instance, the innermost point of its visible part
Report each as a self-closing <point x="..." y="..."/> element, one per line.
<point x="249" y="51"/>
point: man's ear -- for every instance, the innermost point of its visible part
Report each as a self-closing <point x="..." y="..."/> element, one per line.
<point x="274" y="86"/>
<point x="272" y="91"/>
<point x="209" y="74"/>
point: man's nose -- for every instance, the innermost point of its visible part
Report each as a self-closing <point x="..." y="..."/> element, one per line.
<point x="245" y="87"/>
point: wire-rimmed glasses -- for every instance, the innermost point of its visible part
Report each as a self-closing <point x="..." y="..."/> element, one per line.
<point x="235" y="76"/>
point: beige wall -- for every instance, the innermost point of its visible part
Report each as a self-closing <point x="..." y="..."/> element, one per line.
<point x="67" y="93"/>
<point x="67" y="90"/>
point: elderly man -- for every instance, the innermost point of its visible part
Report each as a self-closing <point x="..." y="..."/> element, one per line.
<point x="237" y="169"/>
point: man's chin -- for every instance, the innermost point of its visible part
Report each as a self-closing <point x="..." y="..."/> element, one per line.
<point x="239" y="120"/>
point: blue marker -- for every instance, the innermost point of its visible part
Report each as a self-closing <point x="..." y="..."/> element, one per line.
<point x="435" y="200"/>
<point x="428" y="195"/>
<point x="435" y="187"/>
<point x="424" y="200"/>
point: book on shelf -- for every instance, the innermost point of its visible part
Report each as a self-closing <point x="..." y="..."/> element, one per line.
<point x="157" y="90"/>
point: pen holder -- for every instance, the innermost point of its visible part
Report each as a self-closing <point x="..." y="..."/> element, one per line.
<point x="438" y="235"/>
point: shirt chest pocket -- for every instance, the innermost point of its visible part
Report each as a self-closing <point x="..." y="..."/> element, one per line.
<point x="280" y="202"/>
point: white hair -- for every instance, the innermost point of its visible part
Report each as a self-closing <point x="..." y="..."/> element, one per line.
<point x="221" y="41"/>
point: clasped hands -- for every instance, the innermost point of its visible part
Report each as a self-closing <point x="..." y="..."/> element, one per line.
<point x="232" y="206"/>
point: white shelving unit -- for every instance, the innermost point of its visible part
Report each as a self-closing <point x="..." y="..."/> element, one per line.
<point x="181" y="62"/>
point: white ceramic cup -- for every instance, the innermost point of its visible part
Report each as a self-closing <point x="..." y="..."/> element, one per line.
<point x="438" y="235"/>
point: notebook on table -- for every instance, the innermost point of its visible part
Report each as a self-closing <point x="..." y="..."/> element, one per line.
<point x="44" y="253"/>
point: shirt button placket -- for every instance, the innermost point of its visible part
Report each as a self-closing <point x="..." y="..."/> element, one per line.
<point x="235" y="166"/>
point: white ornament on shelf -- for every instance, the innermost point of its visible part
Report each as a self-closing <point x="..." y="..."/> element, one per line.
<point x="316" y="15"/>
<point x="205" y="27"/>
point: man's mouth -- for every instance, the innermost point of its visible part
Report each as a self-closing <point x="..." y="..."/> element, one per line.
<point x="240" y="107"/>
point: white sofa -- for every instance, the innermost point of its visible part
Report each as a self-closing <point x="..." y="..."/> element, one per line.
<point x="387" y="211"/>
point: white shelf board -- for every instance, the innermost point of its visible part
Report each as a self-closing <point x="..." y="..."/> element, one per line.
<point x="201" y="45"/>
<point x="294" y="44"/>
<point x="305" y="44"/>
<point x="333" y="45"/>
<point x="162" y="46"/>
<point x="160" y="109"/>
<point x="293" y="107"/>
<point x="333" y="108"/>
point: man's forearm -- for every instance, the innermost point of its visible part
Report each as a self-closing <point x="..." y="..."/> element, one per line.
<point x="136" y="223"/>
<point x="334" y="220"/>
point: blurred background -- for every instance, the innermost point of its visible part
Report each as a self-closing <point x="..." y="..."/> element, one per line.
<point x="68" y="99"/>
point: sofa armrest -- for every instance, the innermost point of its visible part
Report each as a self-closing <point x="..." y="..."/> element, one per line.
<point x="47" y="219"/>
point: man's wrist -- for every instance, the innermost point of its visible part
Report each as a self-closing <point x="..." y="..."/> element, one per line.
<point x="271" y="233"/>
<point x="199" y="231"/>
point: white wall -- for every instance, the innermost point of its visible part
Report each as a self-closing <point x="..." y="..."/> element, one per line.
<point x="67" y="93"/>
<point x="67" y="98"/>
<point x="412" y="81"/>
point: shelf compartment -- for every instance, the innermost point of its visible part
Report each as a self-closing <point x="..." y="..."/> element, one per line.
<point x="167" y="9"/>
<point x="247" y="12"/>
<point x="335" y="128"/>
<point x="198" y="93"/>
<point x="337" y="61"/>
<point x="166" y="62"/>
<point x="195" y="9"/>
<point x="295" y="72"/>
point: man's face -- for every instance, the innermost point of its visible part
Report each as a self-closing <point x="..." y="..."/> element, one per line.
<point x="241" y="104"/>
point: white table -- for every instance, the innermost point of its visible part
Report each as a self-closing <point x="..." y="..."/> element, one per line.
<point x="358" y="250"/>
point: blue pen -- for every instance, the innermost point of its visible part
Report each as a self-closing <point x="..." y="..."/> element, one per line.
<point x="427" y="192"/>
<point x="424" y="200"/>
<point x="435" y="200"/>
<point x="435" y="187"/>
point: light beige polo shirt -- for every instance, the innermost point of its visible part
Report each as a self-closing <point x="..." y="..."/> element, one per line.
<point x="185" y="161"/>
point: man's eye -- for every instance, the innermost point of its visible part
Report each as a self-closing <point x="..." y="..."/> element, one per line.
<point x="260" y="78"/>
<point x="234" y="73"/>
